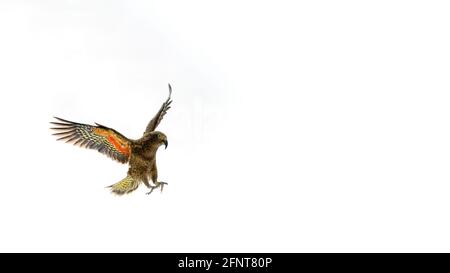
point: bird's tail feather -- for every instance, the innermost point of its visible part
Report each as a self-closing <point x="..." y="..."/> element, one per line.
<point x="126" y="185"/>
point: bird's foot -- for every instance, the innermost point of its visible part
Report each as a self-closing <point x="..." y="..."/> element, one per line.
<point x="157" y="185"/>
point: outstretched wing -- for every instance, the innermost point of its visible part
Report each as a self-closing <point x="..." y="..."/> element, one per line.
<point x="101" y="138"/>
<point x="159" y="116"/>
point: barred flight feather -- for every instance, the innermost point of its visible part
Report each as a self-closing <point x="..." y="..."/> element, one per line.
<point x="101" y="138"/>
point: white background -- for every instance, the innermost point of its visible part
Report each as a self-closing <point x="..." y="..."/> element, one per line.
<point x="296" y="126"/>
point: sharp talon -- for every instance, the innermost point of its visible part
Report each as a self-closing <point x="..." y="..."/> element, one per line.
<point x="151" y="190"/>
<point x="162" y="185"/>
<point x="159" y="184"/>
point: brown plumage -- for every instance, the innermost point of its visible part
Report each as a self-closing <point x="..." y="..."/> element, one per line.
<point x="140" y="153"/>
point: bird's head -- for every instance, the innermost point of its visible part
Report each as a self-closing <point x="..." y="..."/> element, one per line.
<point x="159" y="138"/>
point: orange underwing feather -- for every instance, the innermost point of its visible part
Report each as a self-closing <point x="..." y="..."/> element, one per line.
<point x="120" y="145"/>
<point x="101" y="138"/>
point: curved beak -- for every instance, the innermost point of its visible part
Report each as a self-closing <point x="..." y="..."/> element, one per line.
<point x="165" y="144"/>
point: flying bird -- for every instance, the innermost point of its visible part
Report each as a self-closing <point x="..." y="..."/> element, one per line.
<point x="140" y="153"/>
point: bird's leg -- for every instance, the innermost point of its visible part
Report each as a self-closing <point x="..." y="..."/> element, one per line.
<point x="157" y="185"/>
<point x="154" y="177"/>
